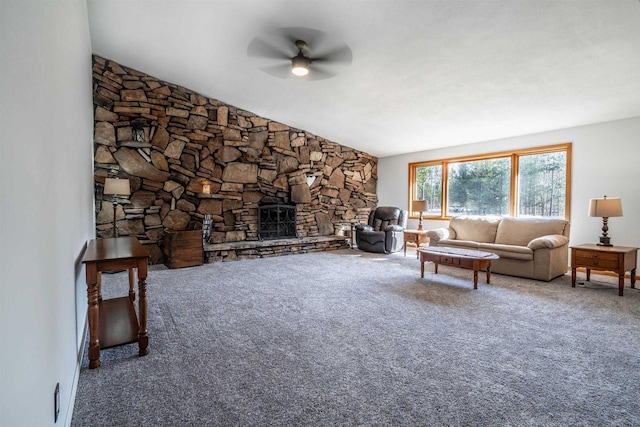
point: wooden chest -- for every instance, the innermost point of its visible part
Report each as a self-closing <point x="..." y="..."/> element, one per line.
<point x="183" y="248"/>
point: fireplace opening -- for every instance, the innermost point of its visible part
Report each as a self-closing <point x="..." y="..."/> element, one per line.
<point x="277" y="222"/>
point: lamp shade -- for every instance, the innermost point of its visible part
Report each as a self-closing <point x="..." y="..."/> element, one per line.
<point x="605" y="207"/>
<point x="118" y="187"/>
<point x="419" y="206"/>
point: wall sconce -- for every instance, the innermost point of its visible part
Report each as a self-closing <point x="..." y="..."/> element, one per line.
<point x="116" y="187"/>
<point x="206" y="187"/>
<point x="419" y="206"/>
<point x="605" y="208"/>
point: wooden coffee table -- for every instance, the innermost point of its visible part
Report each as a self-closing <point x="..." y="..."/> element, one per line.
<point x="455" y="257"/>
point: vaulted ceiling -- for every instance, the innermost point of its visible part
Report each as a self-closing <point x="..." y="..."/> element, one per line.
<point x="425" y="74"/>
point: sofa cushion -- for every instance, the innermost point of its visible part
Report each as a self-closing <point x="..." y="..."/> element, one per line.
<point x="441" y="234"/>
<point x="458" y="243"/>
<point x="548" y="242"/>
<point x="508" y="251"/>
<point x="520" y="231"/>
<point x="474" y="228"/>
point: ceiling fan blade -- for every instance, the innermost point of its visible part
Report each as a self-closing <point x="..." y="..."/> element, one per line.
<point x="279" y="71"/>
<point x="260" y="48"/>
<point x="313" y="38"/>
<point x="340" y="56"/>
<point x="320" y="72"/>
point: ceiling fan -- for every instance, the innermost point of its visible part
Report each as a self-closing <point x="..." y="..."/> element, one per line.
<point x="301" y="53"/>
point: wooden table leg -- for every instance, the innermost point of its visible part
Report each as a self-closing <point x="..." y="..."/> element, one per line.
<point x="489" y="275"/>
<point x="475" y="278"/>
<point x="93" y="315"/>
<point x="99" y="285"/>
<point x="436" y="267"/>
<point x="421" y="268"/>
<point x="621" y="284"/>
<point x="132" y="292"/>
<point x="143" y="337"/>
<point x="633" y="278"/>
<point x="405" y="248"/>
<point x="573" y="277"/>
<point x="588" y="274"/>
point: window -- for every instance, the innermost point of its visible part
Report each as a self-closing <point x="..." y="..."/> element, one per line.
<point x="531" y="182"/>
<point x="429" y="188"/>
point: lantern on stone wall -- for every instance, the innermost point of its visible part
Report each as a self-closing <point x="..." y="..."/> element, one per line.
<point x="206" y="187"/>
<point x="137" y="134"/>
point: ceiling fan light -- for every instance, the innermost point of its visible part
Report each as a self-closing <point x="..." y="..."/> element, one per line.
<point x="300" y="65"/>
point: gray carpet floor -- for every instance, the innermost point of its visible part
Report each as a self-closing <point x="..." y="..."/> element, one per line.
<point x="348" y="338"/>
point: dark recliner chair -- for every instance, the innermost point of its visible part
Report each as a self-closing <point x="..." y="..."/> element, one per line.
<point x="385" y="231"/>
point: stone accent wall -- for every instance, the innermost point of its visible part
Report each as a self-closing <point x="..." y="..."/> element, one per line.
<point x="188" y="140"/>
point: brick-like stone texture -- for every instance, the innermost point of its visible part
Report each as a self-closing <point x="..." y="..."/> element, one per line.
<point x="190" y="140"/>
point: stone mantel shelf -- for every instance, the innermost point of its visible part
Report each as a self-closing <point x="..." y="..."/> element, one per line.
<point x="135" y="144"/>
<point x="250" y="244"/>
<point x="211" y="196"/>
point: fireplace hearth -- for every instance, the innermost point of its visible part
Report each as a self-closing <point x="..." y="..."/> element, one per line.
<point x="277" y="222"/>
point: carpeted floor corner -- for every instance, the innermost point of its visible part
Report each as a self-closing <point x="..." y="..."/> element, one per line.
<point x="350" y="338"/>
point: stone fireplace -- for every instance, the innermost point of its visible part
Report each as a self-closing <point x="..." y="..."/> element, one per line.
<point x="277" y="222"/>
<point x="188" y="156"/>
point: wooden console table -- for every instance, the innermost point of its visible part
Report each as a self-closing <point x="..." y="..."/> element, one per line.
<point x="113" y="322"/>
<point x="610" y="258"/>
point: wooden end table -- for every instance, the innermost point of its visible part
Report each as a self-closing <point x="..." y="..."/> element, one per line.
<point x="609" y="258"/>
<point x="457" y="257"/>
<point x="415" y="237"/>
<point x="114" y="322"/>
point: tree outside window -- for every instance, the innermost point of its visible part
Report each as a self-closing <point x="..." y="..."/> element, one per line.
<point x="428" y="187"/>
<point x="479" y="187"/>
<point x="542" y="182"/>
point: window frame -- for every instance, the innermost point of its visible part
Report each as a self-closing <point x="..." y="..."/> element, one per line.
<point x="514" y="156"/>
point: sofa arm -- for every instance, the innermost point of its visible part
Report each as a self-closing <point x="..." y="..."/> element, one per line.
<point x="364" y="227"/>
<point x="440" y="234"/>
<point x="394" y="228"/>
<point x="549" y="242"/>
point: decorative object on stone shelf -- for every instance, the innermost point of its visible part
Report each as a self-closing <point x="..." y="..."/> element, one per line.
<point x="419" y="206"/>
<point x="137" y="134"/>
<point x="605" y="208"/>
<point x="206" y="187"/>
<point x="116" y="187"/>
<point x="206" y="228"/>
<point x="292" y="47"/>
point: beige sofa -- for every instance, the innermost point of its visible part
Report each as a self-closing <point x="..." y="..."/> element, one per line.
<point x="536" y="248"/>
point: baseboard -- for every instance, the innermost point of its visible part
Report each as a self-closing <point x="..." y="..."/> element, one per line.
<point x="76" y="375"/>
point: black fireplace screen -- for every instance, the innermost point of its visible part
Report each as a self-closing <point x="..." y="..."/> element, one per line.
<point x="276" y="222"/>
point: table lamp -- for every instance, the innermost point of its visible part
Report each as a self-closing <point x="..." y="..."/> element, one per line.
<point x="419" y="206"/>
<point x="116" y="187"/>
<point x="605" y="208"/>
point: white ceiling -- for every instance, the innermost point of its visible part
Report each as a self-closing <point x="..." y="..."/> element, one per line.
<point x="425" y="74"/>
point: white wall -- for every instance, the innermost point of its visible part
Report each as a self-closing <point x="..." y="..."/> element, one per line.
<point x="46" y="204"/>
<point x="605" y="162"/>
